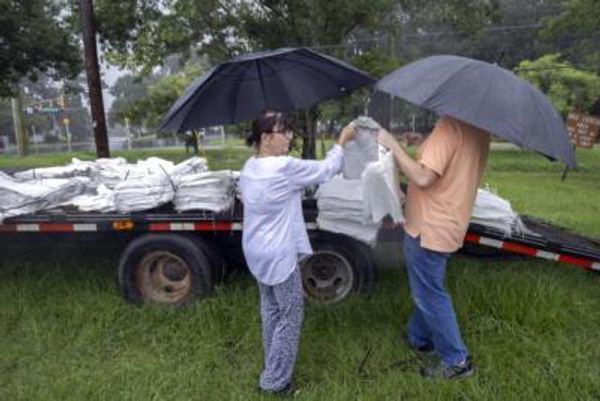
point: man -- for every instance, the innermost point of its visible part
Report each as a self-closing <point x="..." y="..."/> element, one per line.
<point x="443" y="183"/>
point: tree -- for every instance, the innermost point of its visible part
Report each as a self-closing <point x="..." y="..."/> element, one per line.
<point x="127" y="90"/>
<point x="143" y="33"/>
<point x="161" y="94"/>
<point x="35" y="40"/>
<point x="567" y="87"/>
<point x="577" y="30"/>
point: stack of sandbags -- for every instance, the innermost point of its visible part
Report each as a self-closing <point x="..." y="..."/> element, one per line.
<point x="106" y="185"/>
<point x="211" y="190"/>
<point x="149" y="183"/>
<point x="369" y="190"/>
<point x="490" y="210"/>
<point x="143" y="193"/>
<point x="25" y="197"/>
<point x="340" y="204"/>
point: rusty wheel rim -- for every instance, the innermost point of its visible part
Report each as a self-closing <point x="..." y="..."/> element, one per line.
<point x="327" y="277"/>
<point x="164" y="278"/>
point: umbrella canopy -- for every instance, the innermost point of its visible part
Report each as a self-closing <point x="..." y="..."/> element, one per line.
<point x="486" y="96"/>
<point x="279" y="80"/>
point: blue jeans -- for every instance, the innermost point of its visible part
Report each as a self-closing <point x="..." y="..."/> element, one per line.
<point x="433" y="322"/>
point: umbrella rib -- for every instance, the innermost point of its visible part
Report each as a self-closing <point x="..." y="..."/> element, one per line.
<point x="317" y="57"/>
<point x="262" y="82"/>
<point x="447" y="81"/>
<point x="318" y="71"/>
<point x="237" y="90"/>
<point x="283" y="85"/>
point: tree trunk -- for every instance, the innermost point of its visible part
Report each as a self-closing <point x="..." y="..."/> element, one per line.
<point x="20" y="132"/>
<point x="309" y="142"/>
<point x="93" y="77"/>
<point x="195" y="142"/>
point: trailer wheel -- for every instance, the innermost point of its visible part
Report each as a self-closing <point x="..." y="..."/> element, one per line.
<point x="164" y="269"/>
<point x="338" y="267"/>
<point x="213" y="253"/>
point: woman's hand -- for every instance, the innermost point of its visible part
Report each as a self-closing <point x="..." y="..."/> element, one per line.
<point x="348" y="133"/>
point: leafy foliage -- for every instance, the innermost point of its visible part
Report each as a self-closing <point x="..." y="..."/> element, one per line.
<point x="161" y="94"/>
<point x="567" y="87"/>
<point x="34" y="40"/>
<point x="577" y="28"/>
<point x="142" y="33"/>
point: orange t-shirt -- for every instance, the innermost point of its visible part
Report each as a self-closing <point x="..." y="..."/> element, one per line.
<point x="440" y="214"/>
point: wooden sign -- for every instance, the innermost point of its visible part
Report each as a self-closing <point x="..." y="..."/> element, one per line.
<point x="583" y="129"/>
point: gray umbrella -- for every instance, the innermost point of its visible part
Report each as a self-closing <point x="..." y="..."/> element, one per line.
<point x="279" y="80"/>
<point x="486" y="96"/>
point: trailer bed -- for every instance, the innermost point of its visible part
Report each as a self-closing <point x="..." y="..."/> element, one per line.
<point x="549" y="241"/>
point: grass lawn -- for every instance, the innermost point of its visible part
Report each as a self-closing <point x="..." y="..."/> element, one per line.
<point x="531" y="325"/>
<point x="230" y="157"/>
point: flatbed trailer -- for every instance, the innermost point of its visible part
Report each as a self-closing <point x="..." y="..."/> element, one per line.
<point x="172" y="258"/>
<point x="549" y="242"/>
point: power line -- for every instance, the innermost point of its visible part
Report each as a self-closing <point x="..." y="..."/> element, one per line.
<point x="424" y="34"/>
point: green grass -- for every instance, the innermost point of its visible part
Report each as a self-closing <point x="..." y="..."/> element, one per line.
<point x="531" y="325"/>
<point x="67" y="335"/>
<point x="230" y="157"/>
<point x="534" y="187"/>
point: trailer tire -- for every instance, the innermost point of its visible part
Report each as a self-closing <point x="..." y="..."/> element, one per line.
<point x="338" y="267"/>
<point x="213" y="252"/>
<point x="164" y="269"/>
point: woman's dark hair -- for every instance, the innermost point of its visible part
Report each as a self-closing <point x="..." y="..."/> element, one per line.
<point x="268" y="122"/>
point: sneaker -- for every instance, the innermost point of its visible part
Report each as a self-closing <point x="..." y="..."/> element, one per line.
<point x="453" y="372"/>
<point x="426" y="349"/>
<point x="289" y="390"/>
<point x="423" y="349"/>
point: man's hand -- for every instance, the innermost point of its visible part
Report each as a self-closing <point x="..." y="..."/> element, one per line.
<point x="386" y="139"/>
<point x="421" y="176"/>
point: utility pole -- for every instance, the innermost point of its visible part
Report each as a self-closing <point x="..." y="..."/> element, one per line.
<point x="19" y="124"/>
<point x="93" y="77"/>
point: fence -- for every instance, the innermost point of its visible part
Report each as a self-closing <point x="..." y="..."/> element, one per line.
<point x="115" y="143"/>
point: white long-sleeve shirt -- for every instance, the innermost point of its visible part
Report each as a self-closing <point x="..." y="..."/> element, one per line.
<point x="274" y="237"/>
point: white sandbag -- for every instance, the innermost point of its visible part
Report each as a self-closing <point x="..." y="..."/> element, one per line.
<point x="143" y="193"/>
<point x="74" y="169"/>
<point x="212" y="190"/>
<point x="340" y="205"/>
<point x="341" y="189"/>
<point x="362" y="149"/>
<point x="358" y="230"/>
<point x="25" y="197"/>
<point x="102" y="201"/>
<point x="490" y="210"/>
<point x="382" y="195"/>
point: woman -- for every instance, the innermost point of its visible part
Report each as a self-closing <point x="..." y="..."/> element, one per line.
<point x="274" y="237"/>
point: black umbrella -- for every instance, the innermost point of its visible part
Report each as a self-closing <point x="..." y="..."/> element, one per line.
<point x="279" y="80"/>
<point x="487" y="96"/>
